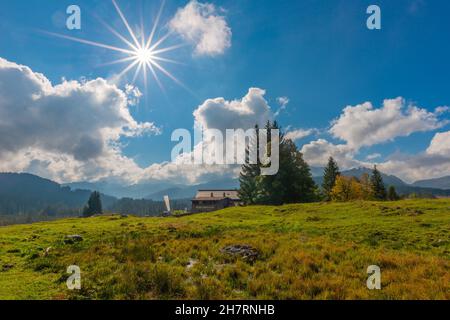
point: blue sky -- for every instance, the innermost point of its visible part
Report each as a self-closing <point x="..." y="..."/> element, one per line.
<point x="319" y="54"/>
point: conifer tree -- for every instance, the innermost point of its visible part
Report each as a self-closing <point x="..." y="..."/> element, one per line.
<point x="392" y="194"/>
<point x="248" y="191"/>
<point x="293" y="182"/>
<point x="94" y="205"/>
<point x="377" y="184"/>
<point x="330" y="174"/>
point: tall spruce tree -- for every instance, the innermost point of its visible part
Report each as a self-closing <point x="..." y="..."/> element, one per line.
<point x="293" y="182"/>
<point x="330" y="174"/>
<point x="377" y="184"/>
<point x="94" y="205"/>
<point x="248" y="191"/>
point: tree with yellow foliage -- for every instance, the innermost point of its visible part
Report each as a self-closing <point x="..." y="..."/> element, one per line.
<point x="347" y="189"/>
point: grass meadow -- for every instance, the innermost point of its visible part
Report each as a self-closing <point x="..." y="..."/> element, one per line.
<point x="305" y="251"/>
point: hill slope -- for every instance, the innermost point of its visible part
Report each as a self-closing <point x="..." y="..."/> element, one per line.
<point x="188" y="192"/>
<point x="304" y="251"/>
<point x="440" y="183"/>
<point x="22" y="193"/>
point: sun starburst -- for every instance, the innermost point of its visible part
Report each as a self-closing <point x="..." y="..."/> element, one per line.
<point x="144" y="56"/>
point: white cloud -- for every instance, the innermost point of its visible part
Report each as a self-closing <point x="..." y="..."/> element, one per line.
<point x="200" y="24"/>
<point x="433" y="163"/>
<point x="244" y="113"/>
<point x="69" y="131"/>
<point x="221" y="114"/>
<point x="363" y="125"/>
<point x="299" y="134"/>
<point x="133" y="93"/>
<point x="317" y="153"/>
<point x="440" y="144"/>
<point x="373" y="156"/>
<point x="411" y="168"/>
<point x="442" y="110"/>
<point x="282" y="102"/>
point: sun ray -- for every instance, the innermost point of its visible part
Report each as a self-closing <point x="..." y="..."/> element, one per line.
<point x="144" y="53"/>
<point x="167" y="60"/>
<point x="124" y="71"/>
<point x="117" y="61"/>
<point x="136" y="73"/>
<point x="126" y="23"/>
<point x="155" y="76"/>
<point x="155" y="25"/>
<point x="145" y="77"/>
<point x="117" y="34"/>
<point x="167" y="73"/>
<point x="167" y="49"/>
<point x="160" y="41"/>
<point x="92" y="43"/>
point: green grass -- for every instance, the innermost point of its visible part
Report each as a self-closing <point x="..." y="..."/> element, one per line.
<point x="306" y="251"/>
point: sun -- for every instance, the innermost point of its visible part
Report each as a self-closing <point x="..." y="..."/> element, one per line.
<point x="144" y="55"/>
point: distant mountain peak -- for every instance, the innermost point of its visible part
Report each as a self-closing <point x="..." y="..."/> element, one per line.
<point x="440" y="183"/>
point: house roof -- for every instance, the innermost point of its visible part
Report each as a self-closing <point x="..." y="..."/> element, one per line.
<point x="216" y="195"/>
<point x="208" y="199"/>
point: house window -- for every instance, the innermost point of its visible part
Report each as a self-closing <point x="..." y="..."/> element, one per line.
<point x="212" y="195"/>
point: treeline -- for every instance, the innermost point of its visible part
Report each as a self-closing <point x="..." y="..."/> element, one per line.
<point x="144" y="207"/>
<point x="95" y="205"/>
<point x="336" y="187"/>
<point x="294" y="183"/>
<point x="138" y="207"/>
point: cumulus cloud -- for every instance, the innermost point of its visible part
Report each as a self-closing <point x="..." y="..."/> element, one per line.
<point x="440" y="144"/>
<point x="243" y="113"/>
<point x="299" y="134"/>
<point x="71" y="130"/>
<point x="433" y="163"/>
<point x="364" y="125"/>
<point x="201" y="25"/>
<point x="221" y="114"/>
<point x="317" y="152"/>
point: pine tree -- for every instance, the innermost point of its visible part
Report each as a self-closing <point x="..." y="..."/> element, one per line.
<point x="293" y="182"/>
<point x="378" y="188"/>
<point x="392" y="194"/>
<point x="270" y="188"/>
<point x="94" y="205"/>
<point x="248" y="192"/>
<point x="330" y="174"/>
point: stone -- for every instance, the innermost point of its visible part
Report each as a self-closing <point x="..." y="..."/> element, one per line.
<point x="7" y="266"/>
<point x="70" y="239"/>
<point x="246" y="252"/>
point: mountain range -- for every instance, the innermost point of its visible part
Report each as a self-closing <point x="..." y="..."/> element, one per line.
<point x="26" y="193"/>
<point x="29" y="194"/>
<point x="440" y="183"/>
<point x="156" y="191"/>
<point x="436" y="187"/>
<point x="25" y="196"/>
